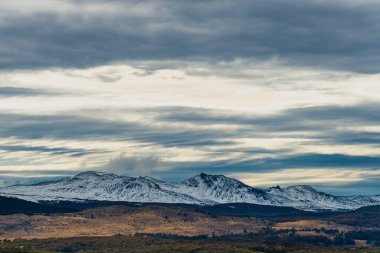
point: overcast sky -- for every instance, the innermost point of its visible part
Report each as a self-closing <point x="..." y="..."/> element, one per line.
<point x="270" y="92"/>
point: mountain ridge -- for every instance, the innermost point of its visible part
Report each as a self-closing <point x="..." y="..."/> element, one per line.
<point x="202" y="189"/>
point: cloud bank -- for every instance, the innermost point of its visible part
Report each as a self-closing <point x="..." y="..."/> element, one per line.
<point x="171" y="89"/>
<point x="341" y="35"/>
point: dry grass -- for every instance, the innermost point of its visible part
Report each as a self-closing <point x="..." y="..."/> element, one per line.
<point x="109" y="221"/>
<point x="312" y="224"/>
<point x="160" y="245"/>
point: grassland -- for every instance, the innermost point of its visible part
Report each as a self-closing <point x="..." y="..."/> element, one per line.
<point x="176" y="229"/>
<point x="108" y="221"/>
<point x="142" y="244"/>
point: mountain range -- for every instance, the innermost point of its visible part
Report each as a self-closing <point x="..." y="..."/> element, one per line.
<point x="202" y="189"/>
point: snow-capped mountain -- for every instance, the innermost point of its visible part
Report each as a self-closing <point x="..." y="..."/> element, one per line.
<point x="307" y="198"/>
<point x="202" y="189"/>
<point x="98" y="186"/>
<point x="222" y="189"/>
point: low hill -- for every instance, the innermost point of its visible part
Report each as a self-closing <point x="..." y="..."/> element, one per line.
<point x="15" y="206"/>
<point x="369" y="209"/>
<point x="232" y="209"/>
<point x="368" y="216"/>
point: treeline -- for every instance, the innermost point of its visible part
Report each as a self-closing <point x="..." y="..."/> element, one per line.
<point x="120" y="243"/>
<point x="12" y="248"/>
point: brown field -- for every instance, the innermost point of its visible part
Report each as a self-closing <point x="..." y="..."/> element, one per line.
<point x="160" y="222"/>
<point x="108" y="221"/>
<point x="312" y="224"/>
<point x="124" y="244"/>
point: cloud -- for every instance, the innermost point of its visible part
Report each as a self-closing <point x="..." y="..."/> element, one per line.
<point x="213" y="131"/>
<point x="364" y="112"/>
<point x="313" y="160"/>
<point x="86" y="128"/>
<point x="227" y="142"/>
<point x="327" y="176"/>
<point x="192" y="86"/>
<point x="59" y="151"/>
<point x="332" y="180"/>
<point x="367" y="186"/>
<point x="329" y="124"/>
<point x="23" y="92"/>
<point x="294" y="161"/>
<point x="135" y="165"/>
<point x="11" y="177"/>
<point x="107" y="78"/>
<point x="331" y="172"/>
<point x="340" y="35"/>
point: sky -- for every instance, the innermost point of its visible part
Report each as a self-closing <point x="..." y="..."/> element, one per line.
<point x="269" y="92"/>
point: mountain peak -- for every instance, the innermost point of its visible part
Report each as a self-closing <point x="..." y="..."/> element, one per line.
<point x="302" y="188"/>
<point x="206" y="179"/>
<point x="277" y="187"/>
<point x="87" y="174"/>
<point x="151" y="179"/>
<point x="222" y="189"/>
<point x="205" y="176"/>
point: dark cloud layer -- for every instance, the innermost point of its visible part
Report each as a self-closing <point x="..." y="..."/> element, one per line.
<point x="10" y="177"/>
<point x="322" y="125"/>
<point x="361" y="113"/>
<point x="325" y="124"/>
<point x="271" y="164"/>
<point x="72" y="127"/>
<point x="52" y="151"/>
<point x="134" y="165"/>
<point x="22" y="92"/>
<point x="354" y="188"/>
<point x="368" y="184"/>
<point x="340" y="35"/>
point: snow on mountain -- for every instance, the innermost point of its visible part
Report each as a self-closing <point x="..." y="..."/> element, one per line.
<point x="98" y="186"/>
<point x="307" y="198"/>
<point x="222" y="189"/>
<point x="202" y="189"/>
<point x="365" y="200"/>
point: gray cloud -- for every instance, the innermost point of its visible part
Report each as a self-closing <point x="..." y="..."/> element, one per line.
<point x="108" y="77"/>
<point x="49" y="150"/>
<point x="322" y="125"/>
<point x="23" y="92"/>
<point x="370" y="185"/>
<point x="295" y="161"/>
<point x="356" y="113"/>
<point x="10" y="177"/>
<point x="339" y="35"/>
<point x="325" y="124"/>
<point x="312" y="160"/>
<point x="134" y="165"/>
<point x="61" y="127"/>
